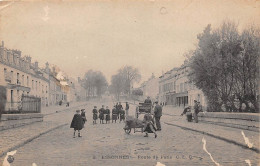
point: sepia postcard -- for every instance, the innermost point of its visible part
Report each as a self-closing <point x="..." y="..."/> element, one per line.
<point x="129" y="82"/>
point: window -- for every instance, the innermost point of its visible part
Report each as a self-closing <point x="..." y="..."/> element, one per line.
<point x="22" y="79"/>
<point x="36" y="85"/>
<point x="12" y="97"/>
<point x="5" y="71"/>
<point x="18" y="79"/>
<point x="32" y="84"/>
<point x="27" y="80"/>
<point x="12" y="74"/>
<point x="181" y="87"/>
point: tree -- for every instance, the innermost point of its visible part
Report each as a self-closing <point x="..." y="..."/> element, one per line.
<point x="95" y="83"/>
<point x="225" y="66"/>
<point x="117" y="84"/>
<point x="130" y="75"/>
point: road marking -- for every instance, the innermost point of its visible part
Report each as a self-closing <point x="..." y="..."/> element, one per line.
<point x="160" y="164"/>
<point x="248" y="143"/>
<point x="204" y="148"/>
<point x="248" y="162"/>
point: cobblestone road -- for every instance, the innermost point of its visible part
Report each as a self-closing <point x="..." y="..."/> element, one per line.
<point x="173" y="146"/>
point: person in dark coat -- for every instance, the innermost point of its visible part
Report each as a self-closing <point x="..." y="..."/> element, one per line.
<point x="148" y="100"/>
<point x="157" y="115"/>
<point x="77" y="123"/>
<point x="122" y="115"/>
<point x="107" y="114"/>
<point x="101" y="112"/>
<point x="188" y="113"/>
<point x="114" y="114"/>
<point x="118" y="110"/>
<point x="197" y="109"/>
<point x="126" y="108"/>
<point x="95" y="115"/>
<point x="149" y="125"/>
<point x="83" y="114"/>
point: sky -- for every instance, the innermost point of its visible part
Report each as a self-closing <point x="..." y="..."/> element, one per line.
<point x="107" y="35"/>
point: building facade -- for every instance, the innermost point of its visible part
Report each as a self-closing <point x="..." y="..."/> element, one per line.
<point x="151" y="88"/>
<point x="176" y="89"/>
<point x="22" y="78"/>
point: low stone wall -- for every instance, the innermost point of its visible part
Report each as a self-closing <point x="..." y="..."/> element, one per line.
<point x="16" y="120"/>
<point x="247" y="121"/>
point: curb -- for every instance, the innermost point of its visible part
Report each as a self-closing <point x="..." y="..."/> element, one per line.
<point x="30" y="139"/>
<point x="218" y="137"/>
<point x="62" y="110"/>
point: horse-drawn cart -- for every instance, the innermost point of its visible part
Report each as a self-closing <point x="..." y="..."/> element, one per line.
<point x="143" y="108"/>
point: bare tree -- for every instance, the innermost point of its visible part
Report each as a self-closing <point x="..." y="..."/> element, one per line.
<point x="130" y="75"/>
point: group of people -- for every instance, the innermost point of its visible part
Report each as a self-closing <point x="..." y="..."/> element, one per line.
<point x="118" y="113"/>
<point x="197" y="108"/>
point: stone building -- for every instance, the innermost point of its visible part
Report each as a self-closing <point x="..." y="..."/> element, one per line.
<point x="176" y="89"/>
<point x="22" y="77"/>
<point x="151" y="88"/>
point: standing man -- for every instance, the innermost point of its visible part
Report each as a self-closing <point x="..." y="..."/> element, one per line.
<point x="148" y="100"/>
<point x="197" y="108"/>
<point x="157" y="115"/>
<point x="126" y="108"/>
<point x="114" y="114"/>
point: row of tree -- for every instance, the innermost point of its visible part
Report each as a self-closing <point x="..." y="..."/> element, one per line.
<point x="225" y="66"/>
<point x="96" y="84"/>
<point x="122" y="82"/>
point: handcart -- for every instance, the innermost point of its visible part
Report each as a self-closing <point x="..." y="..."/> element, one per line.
<point x="133" y="123"/>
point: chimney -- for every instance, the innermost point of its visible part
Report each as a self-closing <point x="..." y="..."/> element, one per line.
<point x="47" y="68"/>
<point x="36" y="65"/>
<point x="28" y="59"/>
<point x="3" y="43"/>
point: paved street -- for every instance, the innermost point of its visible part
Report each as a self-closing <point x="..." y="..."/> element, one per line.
<point x="107" y="144"/>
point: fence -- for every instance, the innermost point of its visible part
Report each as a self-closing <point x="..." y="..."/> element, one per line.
<point x="31" y="104"/>
<point x="28" y="104"/>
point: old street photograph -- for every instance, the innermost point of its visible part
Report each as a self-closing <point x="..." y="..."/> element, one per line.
<point x="129" y="83"/>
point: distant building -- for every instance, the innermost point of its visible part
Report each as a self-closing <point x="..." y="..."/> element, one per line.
<point x="176" y="89"/>
<point x="22" y="78"/>
<point x="151" y="88"/>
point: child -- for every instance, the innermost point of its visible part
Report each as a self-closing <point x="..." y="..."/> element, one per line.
<point x="122" y="115"/>
<point x="114" y="114"/>
<point x="77" y="123"/>
<point x="107" y="114"/>
<point x="83" y="115"/>
<point x="101" y="114"/>
<point x="95" y="115"/>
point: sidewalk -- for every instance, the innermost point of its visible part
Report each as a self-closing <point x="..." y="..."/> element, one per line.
<point x="228" y="134"/>
<point x="57" y="108"/>
<point x="16" y="137"/>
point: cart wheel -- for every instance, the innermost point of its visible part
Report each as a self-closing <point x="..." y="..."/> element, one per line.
<point x="128" y="131"/>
